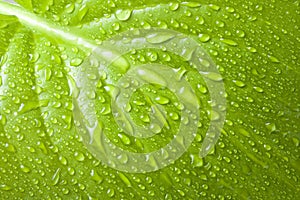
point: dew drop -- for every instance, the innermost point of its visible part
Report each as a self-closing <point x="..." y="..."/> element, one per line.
<point x="10" y="148"/>
<point x="5" y="187"/>
<point x="239" y="83"/>
<point x="258" y="89"/>
<point x="123" y="15"/>
<point x="204" y="37"/>
<point x="230" y="9"/>
<point x="191" y="4"/>
<point x="63" y="160"/>
<point x="229" y="42"/>
<point x="124" y="179"/>
<point x="70" y="8"/>
<point x="252" y="49"/>
<point x="25" y="168"/>
<point x="273" y="59"/>
<point x="79" y="156"/>
<point x="96" y="177"/>
<point x="173" y="6"/>
<point x="125" y="139"/>
<point x="76" y="62"/>
<point x="271" y="127"/>
<point x="214" y="7"/>
<point x="56" y="177"/>
<point x="162" y="100"/>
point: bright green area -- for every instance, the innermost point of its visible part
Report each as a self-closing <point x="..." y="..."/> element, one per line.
<point x="256" y="47"/>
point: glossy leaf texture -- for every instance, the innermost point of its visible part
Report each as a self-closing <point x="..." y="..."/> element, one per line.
<point x="255" y="45"/>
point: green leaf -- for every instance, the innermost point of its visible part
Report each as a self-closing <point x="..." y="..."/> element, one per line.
<point x="44" y="45"/>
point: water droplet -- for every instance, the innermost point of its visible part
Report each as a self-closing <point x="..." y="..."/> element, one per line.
<point x="162" y="100"/>
<point x="273" y="59"/>
<point x="271" y="127"/>
<point x="25" y="168"/>
<point x="173" y="6"/>
<point x="111" y="192"/>
<point x="63" y="160"/>
<point x="244" y="132"/>
<point x="79" y="156"/>
<point x="124" y="179"/>
<point x="239" y="83"/>
<point x="220" y="23"/>
<point x="76" y="62"/>
<point x="56" y="177"/>
<point x="214" y="7"/>
<point x="70" y="8"/>
<point x="252" y="49"/>
<point x="196" y="161"/>
<point x="240" y="33"/>
<point x="116" y="26"/>
<point x="82" y="12"/>
<point x="204" y="37"/>
<point x="202" y="88"/>
<point x="5" y="187"/>
<point x="123" y="15"/>
<point x="230" y="9"/>
<point x="10" y="148"/>
<point x="96" y="177"/>
<point x="125" y="139"/>
<point x="258" y="89"/>
<point x="152" y="56"/>
<point x="229" y="42"/>
<point x="191" y="4"/>
<point x="71" y="171"/>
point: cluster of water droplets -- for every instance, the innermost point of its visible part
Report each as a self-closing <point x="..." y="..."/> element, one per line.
<point x="124" y="79"/>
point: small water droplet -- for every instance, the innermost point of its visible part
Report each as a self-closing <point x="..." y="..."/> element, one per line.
<point x="5" y="187"/>
<point x="273" y="59"/>
<point x="252" y="49"/>
<point x="123" y="15"/>
<point x="240" y="33"/>
<point x="96" y="177"/>
<point x="204" y="37"/>
<point x="229" y="42"/>
<point x="124" y="179"/>
<point x="63" y="160"/>
<point x="214" y="7"/>
<point x="173" y="6"/>
<point x="76" y="62"/>
<point x="116" y="26"/>
<point x="239" y="83"/>
<point x="271" y="127"/>
<point x="162" y="100"/>
<point x="25" y="168"/>
<point x="125" y="139"/>
<point x="79" y="156"/>
<point x="56" y="177"/>
<point x="70" y="8"/>
<point x="10" y="148"/>
<point x="111" y="192"/>
<point x="258" y="89"/>
<point x="230" y="9"/>
<point x="191" y="4"/>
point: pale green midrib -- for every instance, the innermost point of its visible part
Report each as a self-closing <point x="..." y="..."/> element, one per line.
<point x="40" y="24"/>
